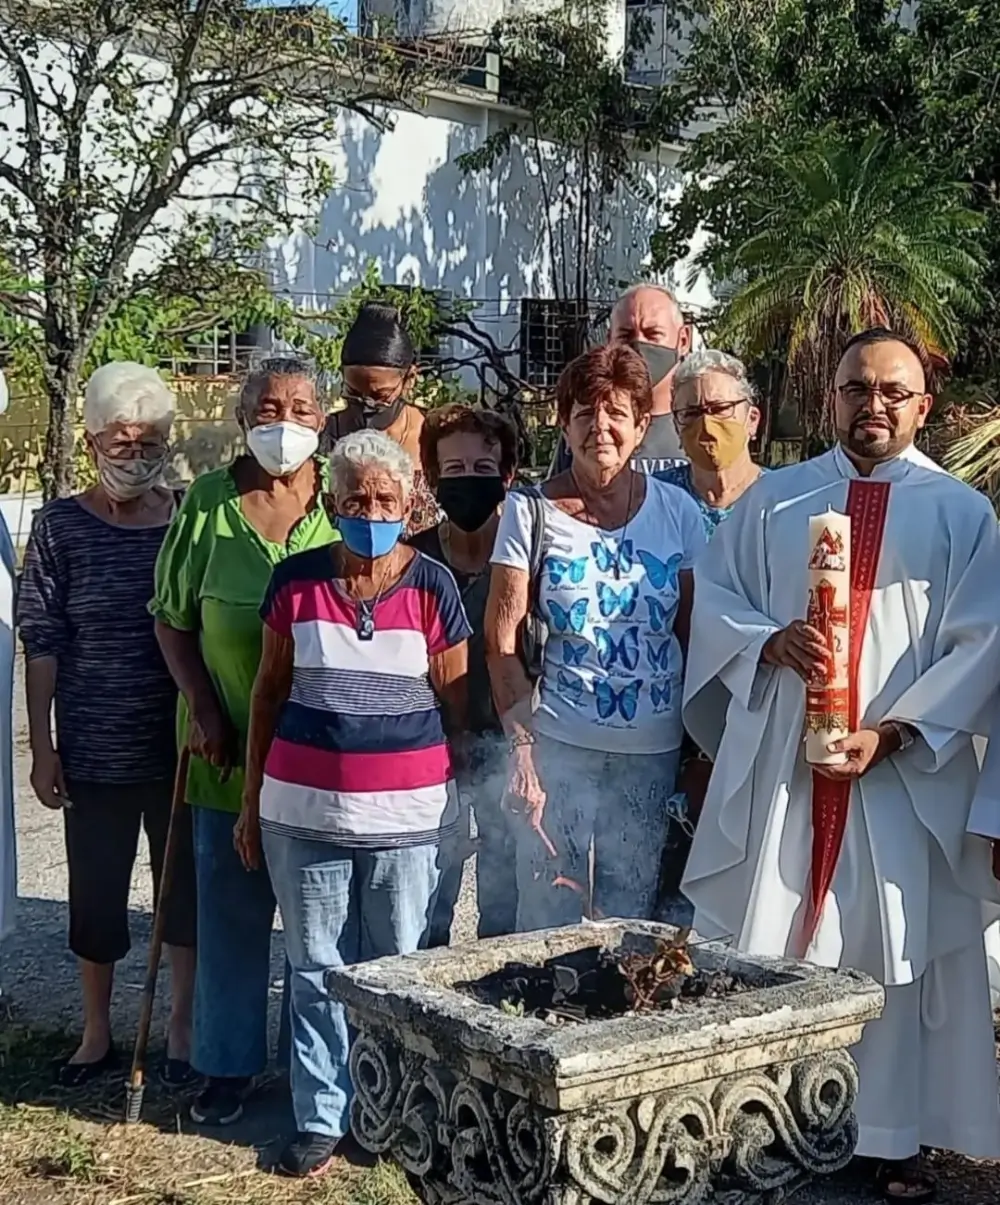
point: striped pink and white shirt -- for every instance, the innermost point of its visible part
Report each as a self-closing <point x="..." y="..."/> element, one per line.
<point x="359" y="755"/>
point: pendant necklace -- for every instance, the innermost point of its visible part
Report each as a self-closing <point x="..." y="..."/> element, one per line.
<point x="364" y="612"/>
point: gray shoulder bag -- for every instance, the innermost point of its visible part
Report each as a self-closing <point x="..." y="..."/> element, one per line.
<point x="535" y="629"/>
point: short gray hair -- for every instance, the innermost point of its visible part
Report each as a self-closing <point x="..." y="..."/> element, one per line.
<point x="368" y="449"/>
<point x="642" y="286"/>
<point x="277" y="366"/>
<point x="126" y="392"/>
<point x="700" y="363"/>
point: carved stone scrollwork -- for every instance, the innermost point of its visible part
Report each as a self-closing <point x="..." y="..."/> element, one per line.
<point x="658" y="1148"/>
<point x="746" y="1139"/>
<point x="789" y="1124"/>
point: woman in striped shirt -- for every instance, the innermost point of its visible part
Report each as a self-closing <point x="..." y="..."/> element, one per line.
<point x="349" y="780"/>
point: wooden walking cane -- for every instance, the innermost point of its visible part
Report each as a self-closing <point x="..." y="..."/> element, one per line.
<point x="136" y="1088"/>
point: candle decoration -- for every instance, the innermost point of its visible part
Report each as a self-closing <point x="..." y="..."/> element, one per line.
<point x="827" y="692"/>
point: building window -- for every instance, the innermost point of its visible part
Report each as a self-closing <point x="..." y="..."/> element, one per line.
<point x="221" y="352"/>
<point x="552" y="333"/>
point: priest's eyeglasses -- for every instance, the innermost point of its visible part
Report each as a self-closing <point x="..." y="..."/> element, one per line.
<point x="894" y="397"/>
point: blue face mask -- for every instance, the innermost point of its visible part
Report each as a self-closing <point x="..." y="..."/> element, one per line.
<point x="369" y="538"/>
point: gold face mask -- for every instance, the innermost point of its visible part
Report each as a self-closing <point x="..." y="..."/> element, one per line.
<point x="714" y="443"/>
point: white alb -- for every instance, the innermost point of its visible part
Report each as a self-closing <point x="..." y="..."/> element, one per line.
<point x="913" y="894"/>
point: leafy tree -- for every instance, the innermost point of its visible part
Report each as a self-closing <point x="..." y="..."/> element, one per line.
<point x="153" y="146"/>
<point x="584" y="124"/>
<point x="772" y="73"/>
<point x="759" y="77"/>
<point x="320" y="333"/>
<point x="849" y="236"/>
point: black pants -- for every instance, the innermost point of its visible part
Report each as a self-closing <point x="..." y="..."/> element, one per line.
<point x="102" y="840"/>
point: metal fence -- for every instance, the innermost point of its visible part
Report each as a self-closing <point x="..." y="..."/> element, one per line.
<point x="533" y="337"/>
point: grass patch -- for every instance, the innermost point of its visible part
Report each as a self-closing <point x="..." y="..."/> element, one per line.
<point x="59" y="1148"/>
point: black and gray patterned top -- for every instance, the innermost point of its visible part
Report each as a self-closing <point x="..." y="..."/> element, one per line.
<point x="83" y="599"/>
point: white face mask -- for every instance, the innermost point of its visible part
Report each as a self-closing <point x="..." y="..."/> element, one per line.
<point x="124" y="480"/>
<point x="281" y="448"/>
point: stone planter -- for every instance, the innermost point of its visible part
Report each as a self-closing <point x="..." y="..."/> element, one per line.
<point x="740" y="1099"/>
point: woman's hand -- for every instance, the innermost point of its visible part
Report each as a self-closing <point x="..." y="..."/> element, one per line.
<point x="523" y="784"/>
<point x="47" y="780"/>
<point x="211" y="737"/>
<point x="693" y="782"/>
<point x="246" y="835"/>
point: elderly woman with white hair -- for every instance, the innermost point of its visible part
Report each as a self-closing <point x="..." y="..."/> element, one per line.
<point x="92" y="654"/>
<point x="716" y="415"/>
<point x="349" y="776"/>
<point x="235" y="525"/>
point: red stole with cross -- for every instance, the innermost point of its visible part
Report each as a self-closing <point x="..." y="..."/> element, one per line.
<point x="867" y="507"/>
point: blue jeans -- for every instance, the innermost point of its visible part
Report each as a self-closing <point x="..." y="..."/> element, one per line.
<point x="232" y="981"/>
<point x="613" y="802"/>
<point x="340" y="906"/>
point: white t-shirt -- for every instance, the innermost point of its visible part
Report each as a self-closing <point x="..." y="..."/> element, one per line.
<point x="611" y="676"/>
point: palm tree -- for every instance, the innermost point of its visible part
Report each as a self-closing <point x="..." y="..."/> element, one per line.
<point x="973" y="454"/>
<point x="848" y="237"/>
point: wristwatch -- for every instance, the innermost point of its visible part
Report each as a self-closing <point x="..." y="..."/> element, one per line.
<point x="904" y="734"/>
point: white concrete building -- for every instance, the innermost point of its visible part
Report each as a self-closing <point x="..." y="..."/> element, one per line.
<point x="403" y="202"/>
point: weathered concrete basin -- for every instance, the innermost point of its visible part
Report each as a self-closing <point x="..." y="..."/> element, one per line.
<point x="738" y="1100"/>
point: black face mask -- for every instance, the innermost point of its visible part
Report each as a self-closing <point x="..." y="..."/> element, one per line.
<point x="379" y="416"/>
<point x="659" y="360"/>
<point x="469" y="501"/>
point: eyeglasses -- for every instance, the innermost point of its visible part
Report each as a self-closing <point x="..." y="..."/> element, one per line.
<point x="367" y="399"/>
<point x="691" y="414"/>
<point x="131" y="451"/>
<point x="894" y="397"/>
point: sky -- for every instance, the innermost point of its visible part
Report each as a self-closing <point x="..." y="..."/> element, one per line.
<point x="347" y="10"/>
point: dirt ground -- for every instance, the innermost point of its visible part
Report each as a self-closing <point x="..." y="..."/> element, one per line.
<point x="59" y="1148"/>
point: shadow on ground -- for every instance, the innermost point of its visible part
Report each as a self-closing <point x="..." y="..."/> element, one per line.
<point x="39" y="1027"/>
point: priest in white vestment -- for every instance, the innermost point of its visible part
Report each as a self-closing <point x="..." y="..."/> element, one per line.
<point x="906" y="890"/>
<point x="8" y="864"/>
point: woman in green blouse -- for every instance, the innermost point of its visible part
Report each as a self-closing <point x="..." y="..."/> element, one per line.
<point x="234" y="526"/>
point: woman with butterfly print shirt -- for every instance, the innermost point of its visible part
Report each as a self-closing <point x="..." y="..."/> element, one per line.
<point x="595" y="749"/>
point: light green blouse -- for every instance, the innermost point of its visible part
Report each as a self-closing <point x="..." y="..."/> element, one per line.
<point x="211" y="576"/>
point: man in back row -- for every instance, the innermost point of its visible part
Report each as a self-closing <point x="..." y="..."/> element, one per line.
<point x="649" y="319"/>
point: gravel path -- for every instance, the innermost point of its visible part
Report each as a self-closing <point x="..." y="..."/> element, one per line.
<point x="38" y="975"/>
<point x="37" y="971"/>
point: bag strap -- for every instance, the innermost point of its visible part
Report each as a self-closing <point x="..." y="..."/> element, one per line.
<point x="536" y="508"/>
<point x="532" y="494"/>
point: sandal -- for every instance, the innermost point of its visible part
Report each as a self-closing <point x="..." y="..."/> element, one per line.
<point x="905" y="1180"/>
<point x="76" y="1075"/>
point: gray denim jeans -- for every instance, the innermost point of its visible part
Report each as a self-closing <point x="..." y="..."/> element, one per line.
<point x="612" y="803"/>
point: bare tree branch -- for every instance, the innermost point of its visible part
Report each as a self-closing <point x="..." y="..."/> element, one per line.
<point x="162" y="141"/>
